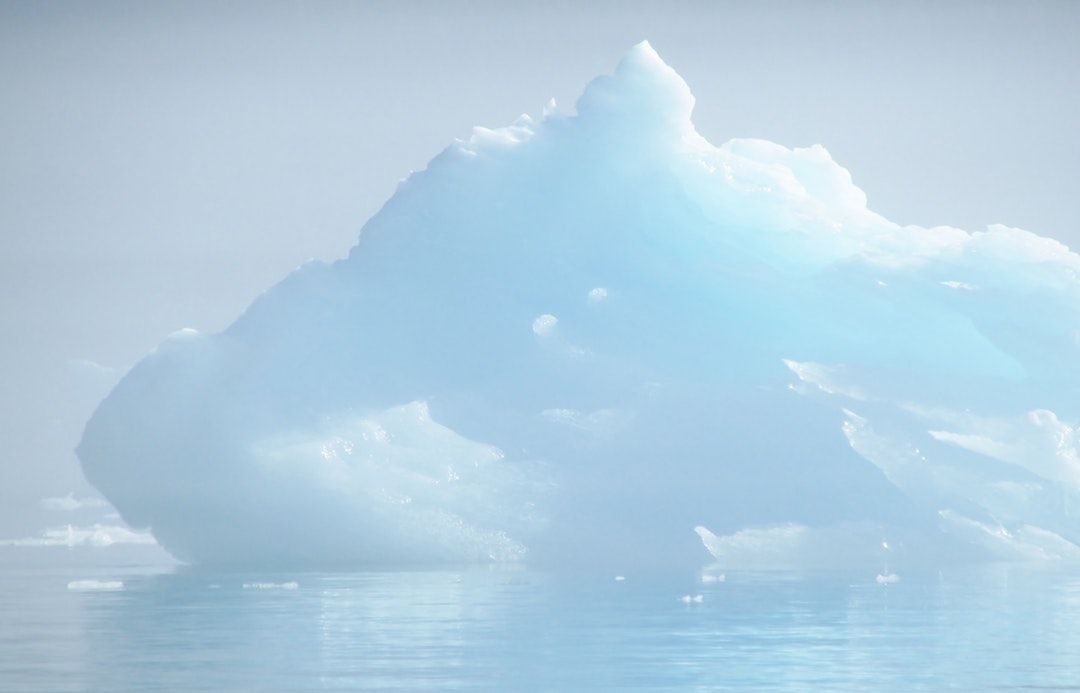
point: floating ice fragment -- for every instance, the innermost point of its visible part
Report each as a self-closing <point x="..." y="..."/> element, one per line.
<point x="887" y="579"/>
<point x="620" y="578"/>
<point x="688" y="599"/>
<point x="95" y="585"/>
<point x="97" y="535"/>
<point x="597" y="295"/>
<point x="709" y="578"/>
<point x="292" y="585"/>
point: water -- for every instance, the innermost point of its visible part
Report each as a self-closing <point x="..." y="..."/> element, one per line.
<point x="171" y="629"/>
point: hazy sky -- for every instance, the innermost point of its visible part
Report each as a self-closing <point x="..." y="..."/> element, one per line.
<point x="162" y="164"/>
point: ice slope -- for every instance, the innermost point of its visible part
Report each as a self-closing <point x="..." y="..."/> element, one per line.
<point x="573" y="340"/>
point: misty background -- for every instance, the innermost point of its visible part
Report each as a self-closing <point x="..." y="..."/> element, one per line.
<point x="163" y="164"/>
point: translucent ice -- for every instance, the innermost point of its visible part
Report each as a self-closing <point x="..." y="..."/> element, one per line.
<point x="574" y="339"/>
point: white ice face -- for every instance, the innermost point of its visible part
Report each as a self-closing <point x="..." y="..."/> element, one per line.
<point x="740" y="345"/>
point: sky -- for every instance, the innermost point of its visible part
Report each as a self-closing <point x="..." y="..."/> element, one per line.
<point x="163" y="164"/>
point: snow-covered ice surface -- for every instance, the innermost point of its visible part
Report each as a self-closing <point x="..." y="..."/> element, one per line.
<point x="577" y="338"/>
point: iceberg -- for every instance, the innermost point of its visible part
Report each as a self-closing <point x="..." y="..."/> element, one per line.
<point x="574" y="339"/>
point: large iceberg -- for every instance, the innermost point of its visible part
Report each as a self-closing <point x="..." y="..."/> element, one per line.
<point x="576" y="339"/>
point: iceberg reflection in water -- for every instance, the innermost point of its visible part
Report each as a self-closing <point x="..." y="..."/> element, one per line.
<point x="976" y="629"/>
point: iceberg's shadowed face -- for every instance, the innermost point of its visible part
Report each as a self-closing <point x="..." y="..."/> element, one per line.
<point x="574" y="340"/>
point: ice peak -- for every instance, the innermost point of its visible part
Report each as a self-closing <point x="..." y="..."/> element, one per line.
<point x="643" y="52"/>
<point x="643" y="90"/>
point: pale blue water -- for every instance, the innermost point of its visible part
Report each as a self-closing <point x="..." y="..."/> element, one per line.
<point x="509" y="630"/>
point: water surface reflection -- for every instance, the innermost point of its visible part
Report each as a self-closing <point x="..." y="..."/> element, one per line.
<point x="189" y="629"/>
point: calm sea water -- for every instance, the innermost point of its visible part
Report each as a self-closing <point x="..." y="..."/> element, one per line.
<point x="180" y="629"/>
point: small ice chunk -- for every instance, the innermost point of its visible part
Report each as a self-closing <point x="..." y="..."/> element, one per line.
<point x="620" y="578"/>
<point x="888" y="579"/>
<point x="291" y="585"/>
<point x="688" y="599"/>
<point x="597" y="295"/>
<point x="709" y="579"/>
<point x="95" y="585"/>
